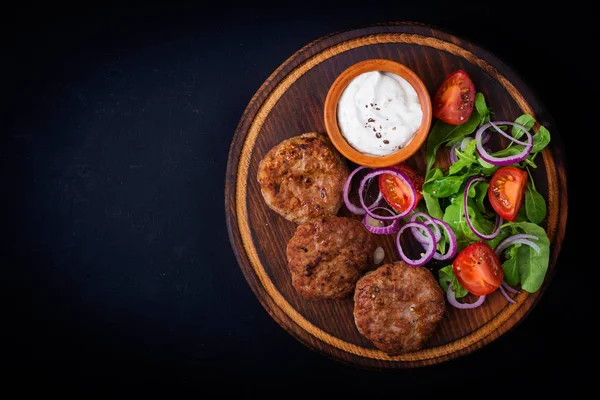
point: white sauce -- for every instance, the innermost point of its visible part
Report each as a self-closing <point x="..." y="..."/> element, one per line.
<point x="379" y="113"/>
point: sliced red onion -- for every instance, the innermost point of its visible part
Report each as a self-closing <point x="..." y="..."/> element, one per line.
<point x="520" y="238"/>
<point x="463" y="306"/>
<point x="506" y="135"/>
<point x="424" y="240"/>
<point x="508" y="288"/>
<point x="397" y="173"/>
<point x="453" y="156"/>
<point x="506" y="296"/>
<point x="369" y="222"/>
<point x="452" y="246"/>
<point x="501" y="161"/>
<point x="421" y="238"/>
<point x="351" y="207"/>
<point x="427" y="255"/>
<point x="466" y="212"/>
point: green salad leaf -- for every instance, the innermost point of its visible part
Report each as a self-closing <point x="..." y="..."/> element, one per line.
<point x="527" y="121"/>
<point x="531" y="265"/>
<point x="432" y="203"/>
<point x="447" y="277"/>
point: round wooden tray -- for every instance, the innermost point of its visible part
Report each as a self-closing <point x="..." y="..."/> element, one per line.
<point x="290" y="102"/>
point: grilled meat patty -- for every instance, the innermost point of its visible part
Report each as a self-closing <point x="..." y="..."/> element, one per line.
<point x="398" y="307"/>
<point x="303" y="178"/>
<point x="327" y="255"/>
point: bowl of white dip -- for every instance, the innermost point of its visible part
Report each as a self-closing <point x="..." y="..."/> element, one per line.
<point x="378" y="113"/>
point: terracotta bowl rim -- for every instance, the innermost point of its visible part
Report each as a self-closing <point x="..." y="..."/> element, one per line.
<point x="336" y="90"/>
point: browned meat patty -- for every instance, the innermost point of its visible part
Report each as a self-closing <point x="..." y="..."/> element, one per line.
<point x="398" y="307"/>
<point x="303" y="178"/>
<point x="327" y="255"/>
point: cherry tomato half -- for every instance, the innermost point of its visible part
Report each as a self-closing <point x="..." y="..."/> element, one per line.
<point x="478" y="269"/>
<point x="454" y="100"/>
<point x="506" y="191"/>
<point x="395" y="192"/>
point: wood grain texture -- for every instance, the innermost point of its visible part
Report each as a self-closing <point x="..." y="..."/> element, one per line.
<point x="291" y="102"/>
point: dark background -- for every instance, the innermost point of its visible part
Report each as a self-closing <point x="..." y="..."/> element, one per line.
<point x="117" y="267"/>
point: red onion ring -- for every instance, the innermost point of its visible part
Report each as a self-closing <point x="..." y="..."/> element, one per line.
<point x="452" y="245"/>
<point x="466" y="212"/>
<point x="506" y="296"/>
<point x="426" y="257"/>
<point x="463" y="306"/>
<point x="381" y="230"/>
<point x="421" y="238"/>
<point x="506" y="135"/>
<point x="508" y="288"/>
<point x="351" y="207"/>
<point x="520" y="238"/>
<point x="501" y="161"/>
<point x="397" y="173"/>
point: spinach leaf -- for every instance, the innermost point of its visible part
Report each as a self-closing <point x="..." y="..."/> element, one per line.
<point x="532" y="265"/>
<point x="447" y="277"/>
<point x="527" y="121"/>
<point x="442" y="133"/>
<point x="541" y="139"/>
<point x="535" y="205"/>
<point x="509" y="267"/>
<point x="446" y="186"/>
<point x="432" y="203"/>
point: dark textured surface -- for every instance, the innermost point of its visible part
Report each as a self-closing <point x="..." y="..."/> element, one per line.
<point x="115" y="133"/>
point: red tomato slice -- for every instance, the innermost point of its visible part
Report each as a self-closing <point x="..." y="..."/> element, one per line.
<point x="478" y="269"/>
<point x="506" y="191"/>
<point x="454" y="100"/>
<point x="395" y="192"/>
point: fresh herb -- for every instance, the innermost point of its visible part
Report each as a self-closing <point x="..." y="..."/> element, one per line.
<point x="432" y="203"/>
<point x="465" y="159"/>
<point x="541" y="139"/>
<point x="482" y="109"/>
<point x="527" y="121"/>
<point x="531" y="265"/>
<point x="509" y="267"/>
<point x="447" y="277"/>
<point x="446" y="186"/>
<point x="535" y="205"/>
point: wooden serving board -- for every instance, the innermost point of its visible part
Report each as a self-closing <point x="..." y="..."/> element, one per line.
<point x="289" y="103"/>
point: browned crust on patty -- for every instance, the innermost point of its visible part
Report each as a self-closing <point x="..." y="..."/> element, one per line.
<point x="303" y="178"/>
<point x="398" y="307"/>
<point x="327" y="255"/>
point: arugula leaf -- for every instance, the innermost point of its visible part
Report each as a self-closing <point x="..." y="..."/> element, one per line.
<point x="465" y="159"/>
<point x="481" y="107"/>
<point x="527" y="121"/>
<point x="447" y="277"/>
<point x="442" y="133"/>
<point x="532" y="265"/>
